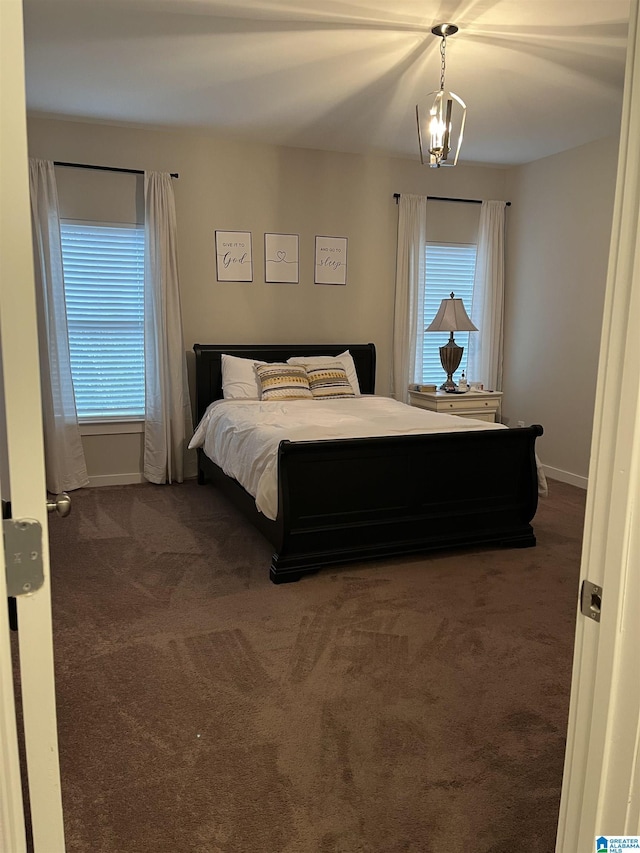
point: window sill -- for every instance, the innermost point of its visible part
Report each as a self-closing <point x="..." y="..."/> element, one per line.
<point x="111" y="427"/>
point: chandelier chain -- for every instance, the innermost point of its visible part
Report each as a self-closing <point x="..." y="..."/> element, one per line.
<point x="443" y="44"/>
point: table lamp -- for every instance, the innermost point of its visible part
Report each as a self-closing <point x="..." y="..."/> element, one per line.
<point x="451" y="317"/>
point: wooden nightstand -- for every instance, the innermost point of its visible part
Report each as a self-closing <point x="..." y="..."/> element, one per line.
<point x="481" y="405"/>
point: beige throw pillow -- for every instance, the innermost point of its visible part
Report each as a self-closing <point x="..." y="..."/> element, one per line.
<point x="283" y="382"/>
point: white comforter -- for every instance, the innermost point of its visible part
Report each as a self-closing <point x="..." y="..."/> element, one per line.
<point x="242" y="436"/>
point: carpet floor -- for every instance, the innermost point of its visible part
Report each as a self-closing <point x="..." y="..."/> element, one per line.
<point x="402" y="706"/>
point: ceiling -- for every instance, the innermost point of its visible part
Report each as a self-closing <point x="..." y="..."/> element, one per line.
<point x="538" y="76"/>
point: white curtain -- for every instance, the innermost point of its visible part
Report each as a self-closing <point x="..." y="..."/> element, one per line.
<point x="64" y="456"/>
<point x="484" y="360"/>
<point x="168" y="423"/>
<point x="408" y="330"/>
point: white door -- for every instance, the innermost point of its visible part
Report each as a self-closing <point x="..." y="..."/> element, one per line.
<point x="601" y="788"/>
<point x="22" y="476"/>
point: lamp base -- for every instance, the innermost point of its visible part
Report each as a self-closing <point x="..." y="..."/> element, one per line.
<point x="450" y="358"/>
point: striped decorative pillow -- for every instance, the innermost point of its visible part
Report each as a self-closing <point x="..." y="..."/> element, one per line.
<point x="283" y="382"/>
<point x="329" y="382"/>
<point x="345" y="359"/>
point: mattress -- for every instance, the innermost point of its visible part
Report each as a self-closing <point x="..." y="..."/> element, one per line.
<point x="242" y="436"/>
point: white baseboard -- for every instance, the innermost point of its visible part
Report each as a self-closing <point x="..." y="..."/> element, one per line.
<point x="116" y="479"/>
<point x="566" y="477"/>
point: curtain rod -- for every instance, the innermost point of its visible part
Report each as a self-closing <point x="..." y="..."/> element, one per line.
<point x="461" y="200"/>
<point x="105" y="168"/>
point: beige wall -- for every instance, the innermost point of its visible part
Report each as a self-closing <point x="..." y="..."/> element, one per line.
<point x="557" y="249"/>
<point x="558" y="235"/>
<point x="230" y="185"/>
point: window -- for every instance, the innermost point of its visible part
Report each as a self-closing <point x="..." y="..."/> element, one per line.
<point x="104" y="291"/>
<point x="449" y="267"/>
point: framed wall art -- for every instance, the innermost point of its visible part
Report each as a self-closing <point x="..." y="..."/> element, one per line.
<point x="281" y="258"/>
<point x="234" y="260"/>
<point x="331" y="260"/>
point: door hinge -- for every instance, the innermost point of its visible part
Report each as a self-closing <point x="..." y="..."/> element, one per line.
<point x="591" y="600"/>
<point x="23" y="555"/>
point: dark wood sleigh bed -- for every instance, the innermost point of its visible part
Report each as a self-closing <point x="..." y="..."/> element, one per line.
<point x="365" y="498"/>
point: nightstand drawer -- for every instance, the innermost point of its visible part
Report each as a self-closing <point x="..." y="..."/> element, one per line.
<point x="461" y="403"/>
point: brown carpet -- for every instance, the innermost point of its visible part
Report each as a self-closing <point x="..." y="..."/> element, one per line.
<point x="415" y="705"/>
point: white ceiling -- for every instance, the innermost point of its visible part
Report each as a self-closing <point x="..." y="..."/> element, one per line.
<point x="538" y="76"/>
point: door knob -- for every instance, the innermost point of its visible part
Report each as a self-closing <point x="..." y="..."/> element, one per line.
<point x="60" y="504"/>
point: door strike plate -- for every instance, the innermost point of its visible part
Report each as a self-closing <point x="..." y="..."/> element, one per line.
<point x="23" y="555"/>
<point x="591" y="600"/>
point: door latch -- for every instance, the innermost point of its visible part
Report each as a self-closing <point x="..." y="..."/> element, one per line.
<point x="591" y="600"/>
<point x="23" y="555"/>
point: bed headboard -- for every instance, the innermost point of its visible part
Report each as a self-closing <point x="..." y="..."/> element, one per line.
<point x="209" y="364"/>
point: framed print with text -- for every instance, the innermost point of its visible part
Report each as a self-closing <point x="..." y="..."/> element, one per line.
<point x="331" y="260"/>
<point x="234" y="260"/>
<point x="281" y="258"/>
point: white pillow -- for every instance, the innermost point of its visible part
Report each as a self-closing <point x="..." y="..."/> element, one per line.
<point x="239" y="379"/>
<point x="345" y="360"/>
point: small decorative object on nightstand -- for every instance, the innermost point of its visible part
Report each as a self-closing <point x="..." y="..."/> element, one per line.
<point x="481" y="405"/>
<point x="419" y="387"/>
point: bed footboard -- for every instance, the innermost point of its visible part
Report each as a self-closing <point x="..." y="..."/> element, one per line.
<point x="356" y="499"/>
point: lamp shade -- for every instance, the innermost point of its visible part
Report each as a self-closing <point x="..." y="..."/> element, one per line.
<point x="451" y="317"/>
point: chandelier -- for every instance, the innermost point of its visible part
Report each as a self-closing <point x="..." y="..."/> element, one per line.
<point x="441" y="119"/>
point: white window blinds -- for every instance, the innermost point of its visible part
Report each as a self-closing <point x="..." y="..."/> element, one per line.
<point x="104" y="291"/>
<point x="449" y="267"/>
